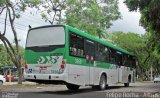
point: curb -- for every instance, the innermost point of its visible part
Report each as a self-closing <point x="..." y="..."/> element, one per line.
<point x="16" y="83"/>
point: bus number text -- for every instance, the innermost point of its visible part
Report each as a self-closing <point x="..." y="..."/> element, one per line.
<point x="78" y="61"/>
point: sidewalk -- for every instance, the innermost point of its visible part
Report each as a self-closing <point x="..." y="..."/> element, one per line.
<point x="15" y="83"/>
<point x="144" y="81"/>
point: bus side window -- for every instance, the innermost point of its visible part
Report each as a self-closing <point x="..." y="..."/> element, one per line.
<point x="101" y="53"/>
<point x="89" y="50"/>
<point x="134" y="62"/>
<point x="113" y="56"/>
<point x="118" y="58"/>
<point x="126" y="60"/>
<point x="76" y="45"/>
<point x="107" y="54"/>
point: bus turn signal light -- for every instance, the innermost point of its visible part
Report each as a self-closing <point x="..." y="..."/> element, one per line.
<point x="25" y="64"/>
<point x="63" y="64"/>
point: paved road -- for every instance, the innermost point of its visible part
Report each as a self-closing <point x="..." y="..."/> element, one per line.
<point x="137" y="89"/>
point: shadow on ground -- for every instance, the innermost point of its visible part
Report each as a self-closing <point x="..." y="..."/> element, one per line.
<point x="81" y="90"/>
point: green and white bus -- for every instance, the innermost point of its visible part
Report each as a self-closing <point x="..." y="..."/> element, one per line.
<point x="63" y="54"/>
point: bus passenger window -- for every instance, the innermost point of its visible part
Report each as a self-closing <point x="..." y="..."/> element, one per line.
<point x="76" y="44"/>
<point x="102" y="53"/>
<point x="119" y="58"/>
<point x="126" y="60"/>
<point x="112" y="56"/>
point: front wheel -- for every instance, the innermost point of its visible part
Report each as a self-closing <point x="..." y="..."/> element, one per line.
<point x="72" y="86"/>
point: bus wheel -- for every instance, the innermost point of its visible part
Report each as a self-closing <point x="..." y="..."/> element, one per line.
<point x="126" y="84"/>
<point x="102" y="82"/>
<point x="1" y="82"/>
<point x="129" y="80"/>
<point x="72" y="86"/>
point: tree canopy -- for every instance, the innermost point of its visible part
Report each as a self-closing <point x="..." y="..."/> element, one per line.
<point x="92" y="16"/>
<point x="142" y="48"/>
<point x="5" y="59"/>
<point x="150" y="13"/>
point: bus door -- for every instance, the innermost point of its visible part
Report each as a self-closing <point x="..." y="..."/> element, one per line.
<point x="120" y="67"/>
<point x="90" y="57"/>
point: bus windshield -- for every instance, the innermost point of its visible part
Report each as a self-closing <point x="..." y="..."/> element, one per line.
<point x="46" y="37"/>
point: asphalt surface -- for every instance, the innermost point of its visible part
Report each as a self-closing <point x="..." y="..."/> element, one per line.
<point x="136" y="90"/>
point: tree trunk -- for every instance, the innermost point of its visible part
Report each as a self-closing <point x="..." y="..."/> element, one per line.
<point x="20" y="75"/>
<point x="14" y="53"/>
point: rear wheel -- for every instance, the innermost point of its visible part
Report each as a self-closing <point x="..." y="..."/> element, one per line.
<point x="129" y="80"/>
<point x="126" y="84"/>
<point x="72" y="86"/>
<point x="1" y="82"/>
<point x="102" y="82"/>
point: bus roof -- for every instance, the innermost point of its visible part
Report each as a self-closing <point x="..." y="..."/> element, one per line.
<point x="98" y="40"/>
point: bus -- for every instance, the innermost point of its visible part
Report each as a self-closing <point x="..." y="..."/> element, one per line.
<point x="61" y="54"/>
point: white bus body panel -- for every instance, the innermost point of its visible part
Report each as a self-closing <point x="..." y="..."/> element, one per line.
<point x="85" y="75"/>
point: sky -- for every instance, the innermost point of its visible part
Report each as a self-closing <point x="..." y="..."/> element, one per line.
<point x="128" y="23"/>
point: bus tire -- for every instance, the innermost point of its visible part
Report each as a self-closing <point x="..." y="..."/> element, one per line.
<point x="72" y="86"/>
<point x="126" y="84"/>
<point x="129" y="80"/>
<point x="1" y="82"/>
<point x="102" y="82"/>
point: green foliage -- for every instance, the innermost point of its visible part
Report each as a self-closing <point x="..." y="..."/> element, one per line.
<point x="92" y="16"/>
<point x="44" y="16"/>
<point x="132" y="42"/>
<point x="22" y="6"/>
<point x="129" y="41"/>
<point x="155" y="62"/>
<point x="150" y="13"/>
<point x="50" y="10"/>
<point x="142" y="47"/>
<point x="5" y="59"/>
<point x="33" y="3"/>
<point x="2" y="2"/>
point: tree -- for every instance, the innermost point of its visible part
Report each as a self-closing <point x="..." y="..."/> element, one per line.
<point x="50" y="10"/>
<point x="154" y="61"/>
<point x="142" y="47"/>
<point x="11" y="10"/>
<point x="133" y="43"/>
<point x="150" y="20"/>
<point x="4" y="57"/>
<point x="149" y="10"/>
<point x="92" y="16"/>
